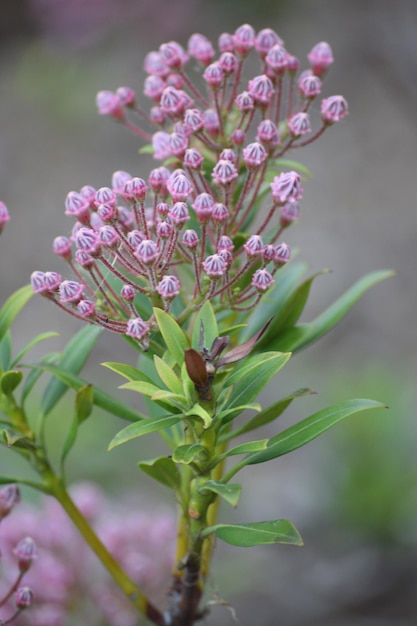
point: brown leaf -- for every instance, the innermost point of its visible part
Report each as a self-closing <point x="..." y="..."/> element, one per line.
<point x="235" y="354"/>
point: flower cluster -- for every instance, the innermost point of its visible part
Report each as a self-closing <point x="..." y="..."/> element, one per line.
<point x="66" y="569"/>
<point x="21" y="553"/>
<point x="192" y="231"/>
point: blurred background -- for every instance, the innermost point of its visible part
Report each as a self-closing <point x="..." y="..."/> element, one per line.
<point x="353" y="494"/>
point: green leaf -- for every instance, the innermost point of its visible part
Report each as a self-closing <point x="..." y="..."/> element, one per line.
<point x="310" y="428"/>
<point x="127" y="371"/>
<point x="5" y="351"/>
<point x="10" y="380"/>
<point x="198" y="411"/>
<point x="138" y="429"/>
<point x="211" y="332"/>
<point x="34" y="375"/>
<point x="14" y="439"/>
<point x="300" y="336"/>
<point x="230" y="493"/>
<point x="275" y="299"/>
<point x="12" y="307"/>
<point x="252" y="376"/>
<point x="269" y="414"/>
<point x="9" y="480"/>
<point x="232" y="413"/>
<point x="256" y="533"/>
<point x="83" y="408"/>
<point x="174" y="338"/>
<point x="190" y="452"/>
<point x="30" y="345"/>
<point x="145" y="388"/>
<point x="73" y="358"/>
<point x="100" y="398"/>
<point x="168" y="376"/>
<point x="174" y="400"/>
<point x="290" y="165"/>
<point x="245" y="448"/>
<point x="162" y="469"/>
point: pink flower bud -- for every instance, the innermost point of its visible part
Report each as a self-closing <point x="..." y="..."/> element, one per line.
<point x="171" y="101"/>
<point x="290" y="213"/>
<point x="193" y="159"/>
<point x="286" y="188"/>
<point x="268" y="253"/>
<point x="267" y="133"/>
<point x="190" y="239"/>
<point x="282" y="254"/>
<point x="194" y="119"/>
<point x="105" y="195"/>
<point x="155" y="65"/>
<point x="135" y="190"/>
<point x="84" y="259"/>
<point x="201" y="49"/>
<point x="128" y="293"/>
<point x="175" y="80"/>
<point x="244" y="101"/>
<point x="4" y="216"/>
<point x="108" y="103"/>
<point x="220" y="214"/>
<point x="86" y="239"/>
<point x="178" y="144"/>
<point x="228" y="62"/>
<point x="226" y="42"/>
<point x="154" y="88"/>
<point x="244" y="38"/>
<point x="160" y="144"/>
<point x="62" y="247"/>
<point x="299" y="124"/>
<point x="23" y="597"/>
<point x="164" y="230"/>
<point x="147" y="251"/>
<point x="71" y="291"/>
<point x="224" y="172"/>
<point x="179" y="186"/>
<point x="89" y="193"/>
<point x="225" y="243"/>
<point x="157" y="179"/>
<point x="26" y="553"/>
<point x="108" y="213"/>
<point x="108" y="236"/>
<point x="168" y="287"/>
<point x="334" y="109"/>
<point x="264" y="41"/>
<point x="254" y="246"/>
<point x="293" y="64"/>
<point x="254" y="154"/>
<point x="262" y="280"/>
<point x="119" y="179"/>
<point x="52" y="281"/>
<point x="86" y="308"/>
<point x="77" y="206"/>
<point x="228" y="154"/>
<point x="214" y="266"/>
<point x="227" y="257"/>
<point x="309" y="86"/>
<point x="277" y="59"/>
<point x="261" y="89"/>
<point x="173" y="55"/>
<point x="9" y="495"/>
<point x="179" y="214"/>
<point x="163" y="208"/>
<point x="126" y="96"/>
<point x="37" y="281"/>
<point x="320" y="57"/>
<point x="214" y="75"/>
<point x="203" y="206"/>
<point x="157" y="115"/>
<point x="238" y="137"/>
<point x="125" y="217"/>
<point x="137" y="328"/>
<point x="211" y="122"/>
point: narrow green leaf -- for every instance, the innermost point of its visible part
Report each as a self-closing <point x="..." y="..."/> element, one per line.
<point x="100" y="398"/>
<point x="275" y="299"/>
<point x="145" y="388"/>
<point x="138" y="429"/>
<point x="10" y="380"/>
<point x="229" y="414"/>
<point x="175" y="400"/>
<point x="19" y="356"/>
<point x="252" y="377"/>
<point x="12" y="307"/>
<point x="174" y="337"/>
<point x="6" y="351"/>
<point x="162" y="469"/>
<point x="230" y="493"/>
<point x="198" y="411"/>
<point x="310" y="428"/>
<point x="207" y="317"/>
<point x="34" y="375"/>
<point x="269" y="414"/>
<point x="246" y="448"/>
<point x="12" y="438"/>
<point x="256" y="533"/>
<point x="167" y="375"/>
<point x="190" y="452"/>
<point x="10" y="480"/>
<point x="294" y="306"/>
<point x="73" y="358"/>
<point x="127" y="371"/>
<point x="83" y="408"/>
<point x="300" y="336"/>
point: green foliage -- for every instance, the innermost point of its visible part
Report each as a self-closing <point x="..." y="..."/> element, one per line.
<point x="256" y="533"/>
